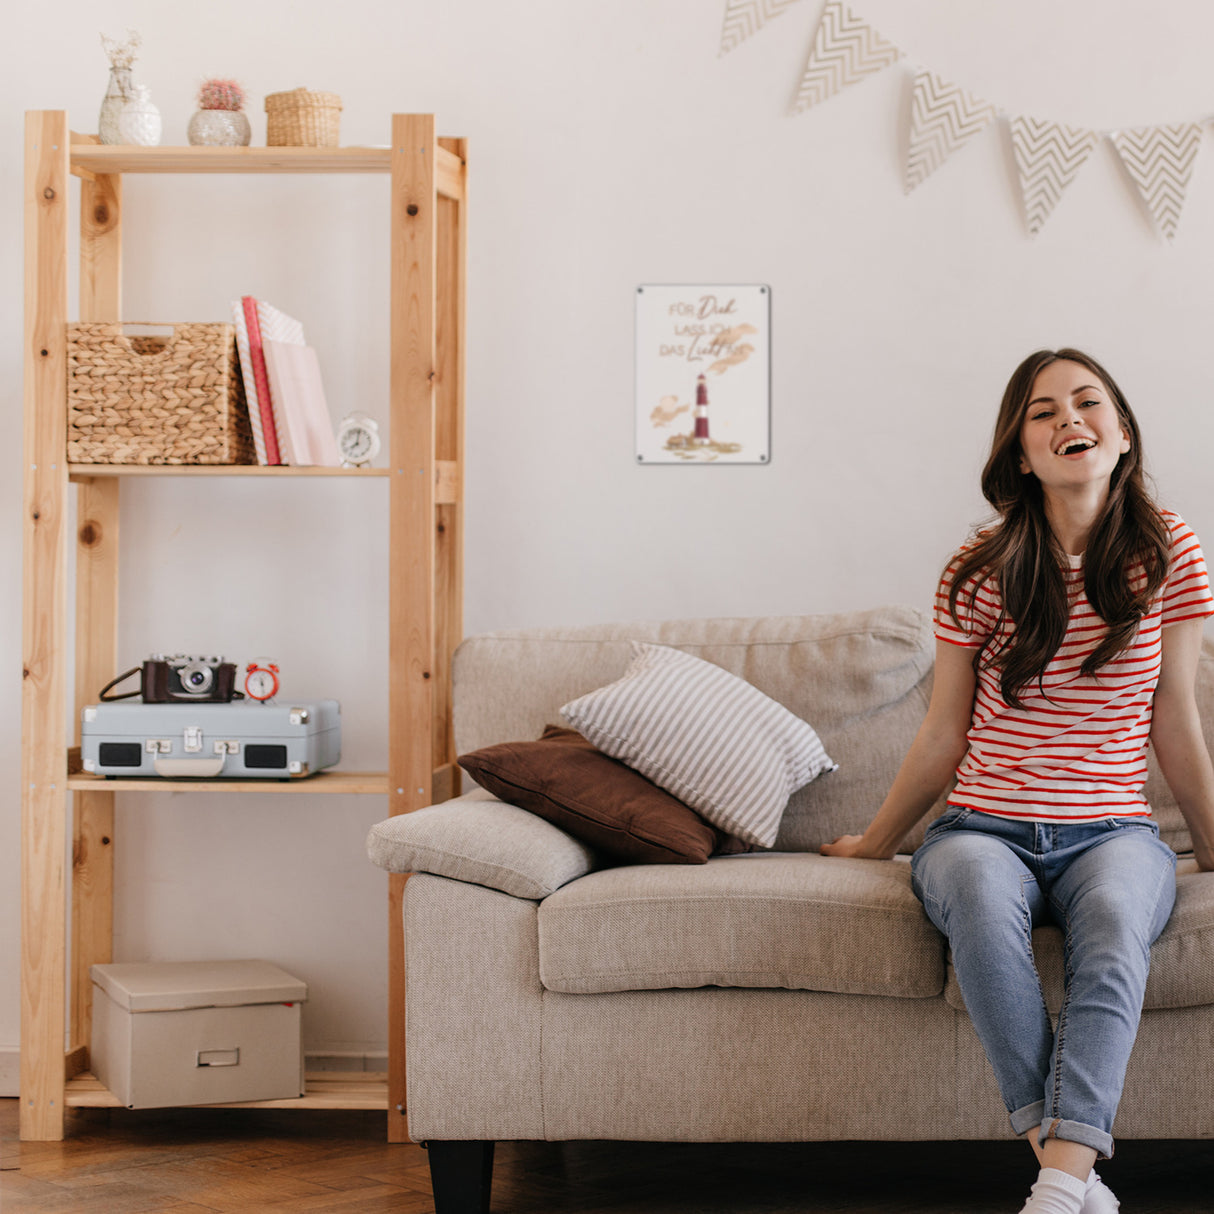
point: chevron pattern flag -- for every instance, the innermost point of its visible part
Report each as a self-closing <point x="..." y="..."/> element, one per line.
<point x="746" y="17"/>
<point x="1049" y="157"/>
<point x="1160" y="160"/>
<point x="846" y="49"/>
<point x="943" y="118"/>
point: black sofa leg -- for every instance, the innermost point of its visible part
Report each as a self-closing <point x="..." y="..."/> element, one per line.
<point x="461" y="1174"/>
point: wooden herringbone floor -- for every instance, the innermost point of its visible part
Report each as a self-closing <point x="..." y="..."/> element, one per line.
<point x="205" y="1160"/>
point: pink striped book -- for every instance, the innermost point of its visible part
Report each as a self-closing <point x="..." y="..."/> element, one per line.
<point x="257" y="361"/>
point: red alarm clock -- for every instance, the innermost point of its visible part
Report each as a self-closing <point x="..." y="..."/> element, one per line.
<point x="261" y="680"/>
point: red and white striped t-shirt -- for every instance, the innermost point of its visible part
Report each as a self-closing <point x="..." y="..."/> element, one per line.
<point x="1078" y="752"/>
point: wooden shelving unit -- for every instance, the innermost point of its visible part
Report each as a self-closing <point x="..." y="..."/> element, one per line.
<point x="426" y="233"/>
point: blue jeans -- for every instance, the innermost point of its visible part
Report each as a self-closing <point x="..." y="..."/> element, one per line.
<point x="986" y="882"/>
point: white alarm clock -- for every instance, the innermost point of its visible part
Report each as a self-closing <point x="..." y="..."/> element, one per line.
<point x="261" y="681"/>
<point x="357" y="440"/>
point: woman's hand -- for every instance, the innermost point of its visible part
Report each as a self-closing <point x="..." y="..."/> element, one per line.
<point x="930" y="763"/>
<point x="847" y="845"/>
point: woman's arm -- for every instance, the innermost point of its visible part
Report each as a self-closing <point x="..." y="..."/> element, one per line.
<point x="1176" y="735"/>
<point x="929" y="764"/>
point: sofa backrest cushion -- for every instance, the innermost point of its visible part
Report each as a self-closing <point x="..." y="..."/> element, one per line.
<point x="861" y="679"/>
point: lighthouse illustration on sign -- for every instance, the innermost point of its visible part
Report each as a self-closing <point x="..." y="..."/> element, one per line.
<point x="696" y="345"/>
<point x="701" y="435"/>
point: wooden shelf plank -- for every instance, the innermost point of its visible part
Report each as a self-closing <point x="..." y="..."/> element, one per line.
<point x="324" y="1090"/>
<point x="79" y="472"/>
<point x="447" y="473"/>
<point x="96" y="158"/>
<point x="332" y="782"/>
<point x="124" y="158"/>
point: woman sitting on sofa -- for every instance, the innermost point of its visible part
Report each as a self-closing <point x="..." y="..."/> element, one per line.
<point x="1068" y="635"/>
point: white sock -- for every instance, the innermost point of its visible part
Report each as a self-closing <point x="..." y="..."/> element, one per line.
<point x="1098" y="1197"/>
<point x="1056" y="1192"/>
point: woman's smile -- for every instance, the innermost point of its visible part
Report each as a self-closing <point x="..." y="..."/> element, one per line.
<point x="1071" y="433"/>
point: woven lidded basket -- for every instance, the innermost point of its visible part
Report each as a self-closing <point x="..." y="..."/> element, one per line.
<point x="156" y="400"/>
<point x="302" y="119"/>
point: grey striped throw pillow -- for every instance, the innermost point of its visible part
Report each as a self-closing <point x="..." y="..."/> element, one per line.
<point x="707" y="737"/>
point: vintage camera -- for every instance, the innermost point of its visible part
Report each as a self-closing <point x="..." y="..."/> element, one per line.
<point x="182" y="677"/>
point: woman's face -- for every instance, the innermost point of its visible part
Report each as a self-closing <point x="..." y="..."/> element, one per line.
<point x="1071" y="435"/>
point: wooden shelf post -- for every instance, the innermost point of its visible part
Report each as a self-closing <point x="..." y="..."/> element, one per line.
<point x="425" y="572"/>
<point x="96" y="624"/>
<point x="411" y="562"/>
<point x="44" y="621"/>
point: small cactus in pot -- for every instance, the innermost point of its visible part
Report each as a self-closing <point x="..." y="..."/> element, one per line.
<point x="220" y="120"/>
<point x="220" y="94"/>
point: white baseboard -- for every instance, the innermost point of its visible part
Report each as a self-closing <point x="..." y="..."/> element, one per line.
<point x="10" y="1070"/>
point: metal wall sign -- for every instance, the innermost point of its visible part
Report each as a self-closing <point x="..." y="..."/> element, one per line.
<point x="703" y="374"/>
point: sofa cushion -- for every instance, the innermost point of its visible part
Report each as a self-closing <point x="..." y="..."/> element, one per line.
<point x="798" y="922"/>
<point x="598" y="799"/>
<point x="706" y="736"/>
<point x="479" y="839"/>
<point x="1182" y="959"/>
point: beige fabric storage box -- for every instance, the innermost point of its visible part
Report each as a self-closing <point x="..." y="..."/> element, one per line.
<point x="197" y="1032"/>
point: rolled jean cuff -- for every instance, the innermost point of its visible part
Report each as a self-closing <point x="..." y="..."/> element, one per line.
<point x="1029" y="1117"/>
<point x="1075" y="1131"/>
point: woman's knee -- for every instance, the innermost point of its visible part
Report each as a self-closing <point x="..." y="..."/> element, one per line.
<point x="1105" y="930"/>
<point x="971" y="874"/>
<point x="1123" y="910"/>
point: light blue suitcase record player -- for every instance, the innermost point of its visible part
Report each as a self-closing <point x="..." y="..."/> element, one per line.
<point x="240" y="739"/>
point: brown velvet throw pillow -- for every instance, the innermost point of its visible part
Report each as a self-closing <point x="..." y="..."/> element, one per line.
<point x="599" y="800"/>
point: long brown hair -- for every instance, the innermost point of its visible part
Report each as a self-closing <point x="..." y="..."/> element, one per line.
<point x="1022" y="555"/>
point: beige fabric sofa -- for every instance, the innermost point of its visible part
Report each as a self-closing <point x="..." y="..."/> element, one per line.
<point x="767" y="997"/>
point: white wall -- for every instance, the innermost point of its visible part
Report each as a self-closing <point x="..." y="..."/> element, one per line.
<point x="611" y="146"/>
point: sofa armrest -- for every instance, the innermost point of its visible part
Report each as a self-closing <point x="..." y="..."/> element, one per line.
<point x="483" y="841"/>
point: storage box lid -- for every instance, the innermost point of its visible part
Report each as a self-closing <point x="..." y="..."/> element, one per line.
<point x="173" y="986"/>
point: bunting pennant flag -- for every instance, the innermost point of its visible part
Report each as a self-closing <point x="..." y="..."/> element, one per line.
<point x="1160" y="160"/>
<point x="846" y="49"/>
<point x="1049" y="156"/>
<point x="746" y="17"/>
<point x="944" y="117"/>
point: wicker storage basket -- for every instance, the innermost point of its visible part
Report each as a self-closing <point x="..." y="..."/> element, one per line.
<point x="302" y="119"/>
<point x="156" y="400"/>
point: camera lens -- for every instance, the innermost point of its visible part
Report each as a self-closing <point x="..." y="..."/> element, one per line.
<point x="196" y="678"/>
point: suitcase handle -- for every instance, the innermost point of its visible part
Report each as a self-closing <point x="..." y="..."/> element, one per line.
<point x="189" y="767"/>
